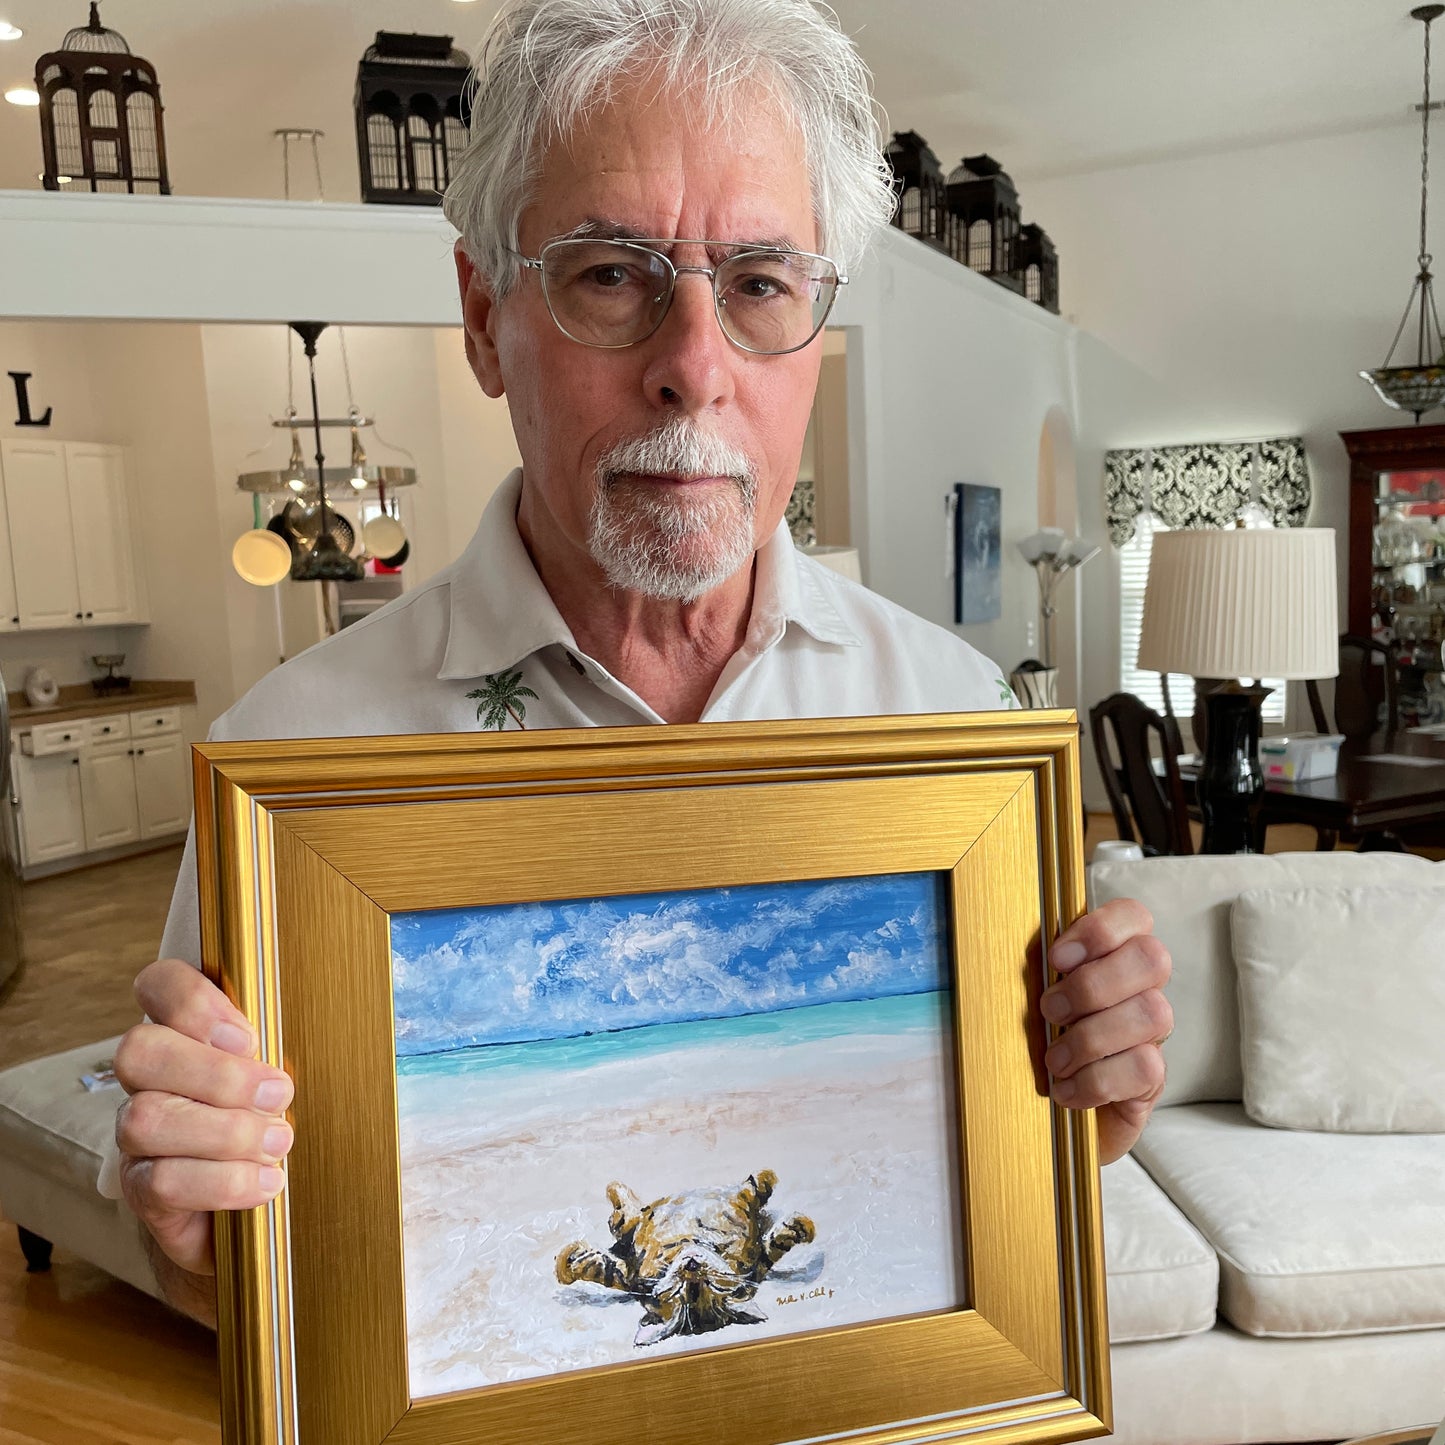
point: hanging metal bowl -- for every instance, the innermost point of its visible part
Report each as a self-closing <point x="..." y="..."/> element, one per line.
<point x="1415" y="389"/>
<point x="305" y="522"/>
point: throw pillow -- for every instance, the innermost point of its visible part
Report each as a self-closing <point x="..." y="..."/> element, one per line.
<point x="1342" y="1008"/>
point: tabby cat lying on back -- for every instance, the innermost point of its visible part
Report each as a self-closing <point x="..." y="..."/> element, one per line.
<point x="691" y="1258"/>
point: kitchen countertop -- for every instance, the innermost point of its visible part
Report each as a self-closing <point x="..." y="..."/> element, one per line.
<point x="79" y="700"/>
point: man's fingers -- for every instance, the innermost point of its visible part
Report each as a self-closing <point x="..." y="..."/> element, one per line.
<point x="1140" y="964"/>
<point x="1143" y="1019"/>
<point x="152" y="1125"/>
<point x="155" y="1188"/>
<point x="1135" y="1076"/>
<point x="1100" y="932"/>
<point x="153" y="1057"/>
<point x="173" y="993"/>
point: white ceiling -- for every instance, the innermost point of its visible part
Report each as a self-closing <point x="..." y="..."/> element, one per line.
<point x="1049" y="87"/>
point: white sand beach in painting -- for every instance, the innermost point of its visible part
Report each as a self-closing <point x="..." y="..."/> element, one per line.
<point x="506" y="1163"/>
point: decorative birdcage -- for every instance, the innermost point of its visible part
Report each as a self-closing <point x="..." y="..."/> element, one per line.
<point x="983" y="214"/>
<point x="100" y="114"/>
<point x="411" y="117"/>
<point x="1038" y="267"/>
<point x="918" y="180"/>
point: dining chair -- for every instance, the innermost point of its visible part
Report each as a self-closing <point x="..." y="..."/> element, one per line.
<point x="1148" y="802"/>
<point x="1356" y="708"/>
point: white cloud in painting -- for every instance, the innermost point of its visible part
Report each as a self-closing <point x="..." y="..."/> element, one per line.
<point x="542" y="970"/>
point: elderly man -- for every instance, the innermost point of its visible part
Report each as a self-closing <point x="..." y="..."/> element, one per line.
<point x="657" y="207"/>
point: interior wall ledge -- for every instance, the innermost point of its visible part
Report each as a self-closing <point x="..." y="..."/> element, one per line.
<point x="189" y="258"/>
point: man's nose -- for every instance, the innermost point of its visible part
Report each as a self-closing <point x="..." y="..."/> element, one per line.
<point x="690" y="362"/>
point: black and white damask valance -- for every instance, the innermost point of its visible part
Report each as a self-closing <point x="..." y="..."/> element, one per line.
<point x="1206" y="484"/>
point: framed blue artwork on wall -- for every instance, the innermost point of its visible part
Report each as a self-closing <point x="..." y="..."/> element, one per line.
<point x="977" y="584"/>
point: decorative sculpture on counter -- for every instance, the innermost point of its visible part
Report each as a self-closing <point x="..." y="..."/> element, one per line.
<point x="411" y="117"/>
<point x="100" y="114"/>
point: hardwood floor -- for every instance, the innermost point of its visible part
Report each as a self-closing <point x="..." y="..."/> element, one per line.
<point x="85" y="936"/>
<point x="86" y="1360"/>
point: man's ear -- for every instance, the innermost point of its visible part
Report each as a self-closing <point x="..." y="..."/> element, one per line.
<point x="479" y="308"/>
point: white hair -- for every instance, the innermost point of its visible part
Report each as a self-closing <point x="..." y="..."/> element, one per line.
<point x="545" y="64"/>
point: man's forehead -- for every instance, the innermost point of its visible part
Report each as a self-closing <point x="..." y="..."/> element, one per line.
<point x="618" y="228"/>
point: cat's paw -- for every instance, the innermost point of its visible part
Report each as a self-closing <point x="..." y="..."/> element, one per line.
<point x="567" y="1262"/>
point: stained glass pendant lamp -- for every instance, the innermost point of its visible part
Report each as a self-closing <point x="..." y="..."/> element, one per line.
<point x="1418" y="387"/>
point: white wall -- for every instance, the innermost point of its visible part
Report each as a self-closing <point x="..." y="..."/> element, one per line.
<point x="150" y="397"/>
<point x="956" y="378"/>
<point x="1246" y="290"/>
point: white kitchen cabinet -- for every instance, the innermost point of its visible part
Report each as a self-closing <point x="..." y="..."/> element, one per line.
<point x="96" y="786"/>
<point x="103" y="537"/>
<point x="162" y="785"/>
<point x="52" y="819"/>
<point x="9" y="610"/>
<point x="72" y="540"/>
<point x="42" y="546"/>
<point x="108" y="795"/>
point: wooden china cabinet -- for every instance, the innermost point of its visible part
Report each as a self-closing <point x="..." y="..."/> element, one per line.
<point x="1397" y="553"/>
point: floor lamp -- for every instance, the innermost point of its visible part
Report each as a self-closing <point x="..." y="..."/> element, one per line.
<point x="1242" y="604"/>
<point x="1052" y="553"/>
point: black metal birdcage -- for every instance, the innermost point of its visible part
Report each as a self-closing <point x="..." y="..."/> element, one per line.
<point x="100" y="114"/>
<point x="411" y="117"/>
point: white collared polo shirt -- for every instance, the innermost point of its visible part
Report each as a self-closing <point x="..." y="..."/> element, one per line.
<point x="817" y="645"/>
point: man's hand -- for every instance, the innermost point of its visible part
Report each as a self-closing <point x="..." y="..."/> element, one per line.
<point x="1115" y="1018"/>
<point x="204" y="1126"/>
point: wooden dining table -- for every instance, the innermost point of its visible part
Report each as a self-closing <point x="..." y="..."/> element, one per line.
<point x="1369" y="797"/>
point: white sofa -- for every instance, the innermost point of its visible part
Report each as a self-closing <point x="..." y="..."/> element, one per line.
<point x="1265" y="1284"/>
<point x="1270" y="1283"/>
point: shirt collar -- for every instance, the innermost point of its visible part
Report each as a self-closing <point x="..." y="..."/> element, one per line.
<point x="501" y="613"/>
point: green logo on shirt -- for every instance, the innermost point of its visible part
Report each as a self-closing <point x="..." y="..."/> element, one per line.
<point x="501" y="699"/>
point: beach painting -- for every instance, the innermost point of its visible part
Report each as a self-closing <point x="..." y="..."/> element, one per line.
<point x="639" y="1125"/>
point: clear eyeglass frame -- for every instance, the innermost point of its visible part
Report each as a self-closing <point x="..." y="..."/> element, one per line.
<point x="832" y="279"/>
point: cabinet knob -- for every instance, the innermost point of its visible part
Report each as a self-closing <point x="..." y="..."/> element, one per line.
<point x="75" y="762"/>
<point x="79" y="616"/>
<point x="15" y="620"/>
<point x="90" y="614"/>
<point x="140" y="752"/>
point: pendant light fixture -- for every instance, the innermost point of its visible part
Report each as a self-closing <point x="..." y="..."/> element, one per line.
<point x="326" y="561"/>
<point x="1419" y="387"/>
<point x="321" y="538"/>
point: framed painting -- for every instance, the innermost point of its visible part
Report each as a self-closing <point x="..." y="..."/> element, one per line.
<point x="977" y="571"/>
<point x="658" y="1084"/>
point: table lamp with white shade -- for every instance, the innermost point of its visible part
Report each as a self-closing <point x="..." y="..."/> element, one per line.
<point x="1239" y="604"/>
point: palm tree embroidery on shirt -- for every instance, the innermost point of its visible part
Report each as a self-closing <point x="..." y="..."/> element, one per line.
<point x="501" y="699"/>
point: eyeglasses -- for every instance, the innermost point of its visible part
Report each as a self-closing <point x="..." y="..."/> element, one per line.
<point x="616" y="293"/>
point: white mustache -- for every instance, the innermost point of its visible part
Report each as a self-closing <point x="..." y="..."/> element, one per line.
<point x="678" y="448"/>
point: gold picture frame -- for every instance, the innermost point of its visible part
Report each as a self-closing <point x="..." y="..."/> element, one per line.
<point x="305" y="849"/>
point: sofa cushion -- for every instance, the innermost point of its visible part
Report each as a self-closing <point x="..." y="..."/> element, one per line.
<point x="1342" y="1008"/>
<point x="1163" y="1277"/>
<point x="51" y="1122"/>
<point x="1190" y="899"/>
<point x="1317" y="1234"/>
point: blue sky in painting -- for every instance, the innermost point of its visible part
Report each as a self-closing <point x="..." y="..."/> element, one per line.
<point x="473" y="976"/>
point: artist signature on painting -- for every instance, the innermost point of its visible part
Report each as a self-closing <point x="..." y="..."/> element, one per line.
<point x="820" y="1292"/>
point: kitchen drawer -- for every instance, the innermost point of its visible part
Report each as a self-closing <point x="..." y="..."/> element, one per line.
<point x="109" y="729"/>
<point x="48" y="738"/>
<point x="155" y="720"/>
